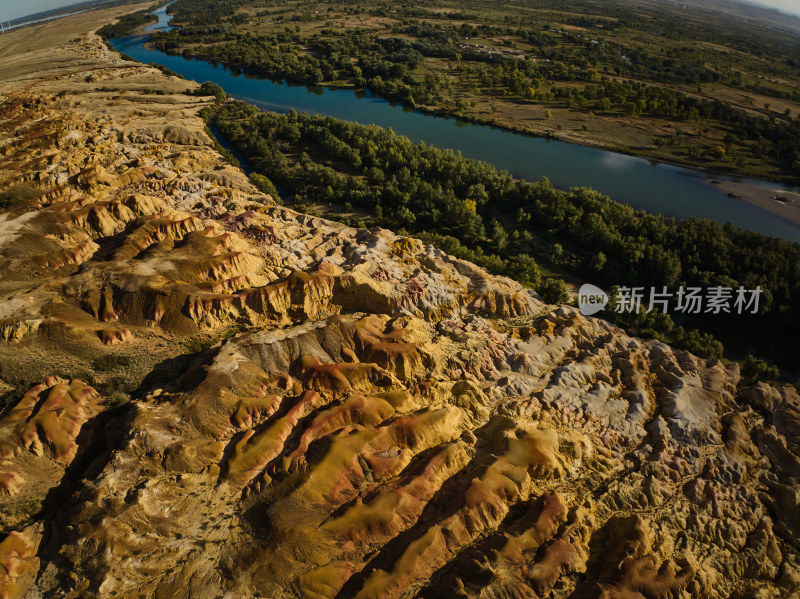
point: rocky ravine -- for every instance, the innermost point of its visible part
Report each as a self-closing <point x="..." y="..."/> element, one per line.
<point x="376" y="419"/>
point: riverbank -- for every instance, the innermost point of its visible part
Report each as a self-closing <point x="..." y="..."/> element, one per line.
<point x="785" y="204"/>
<point x="663" y="124"/>
<point x="622" y="134"/>
<point x="603" y="131"/>
<point x="644" y="184"/>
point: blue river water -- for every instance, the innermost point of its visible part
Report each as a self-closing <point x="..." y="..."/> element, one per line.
<point x="655" y="187"/>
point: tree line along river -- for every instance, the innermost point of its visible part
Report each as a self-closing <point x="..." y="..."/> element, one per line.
<point x="655" y="187"/>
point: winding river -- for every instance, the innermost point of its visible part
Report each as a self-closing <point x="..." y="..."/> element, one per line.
<point x="655" y="187"/>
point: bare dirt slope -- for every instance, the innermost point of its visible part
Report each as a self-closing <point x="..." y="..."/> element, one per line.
<point x="320" y="411"/>
<point x="40" y="51"/>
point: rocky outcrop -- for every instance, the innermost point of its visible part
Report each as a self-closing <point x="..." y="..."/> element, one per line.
<point x="378" y="456"/>
<point x="320" y="411"/>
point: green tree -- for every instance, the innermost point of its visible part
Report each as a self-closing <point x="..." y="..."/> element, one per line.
<point x="553" y="291"/>
<point x="754" y="370"/>
<point x="212" y="89"/>
<point x="405" y="217"/>
<point x="599" y="262"/>
<point x="701" y="344"/>
<point x="498" y="234"/>
<point x="264" y="185"/>
<point x="316" y="77"/>
<point x="524" y="268"/>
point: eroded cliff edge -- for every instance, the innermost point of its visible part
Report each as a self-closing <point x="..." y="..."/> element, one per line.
<point x="375" y="419"/>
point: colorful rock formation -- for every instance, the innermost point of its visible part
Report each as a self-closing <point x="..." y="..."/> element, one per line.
<point x="318" y="411"/>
